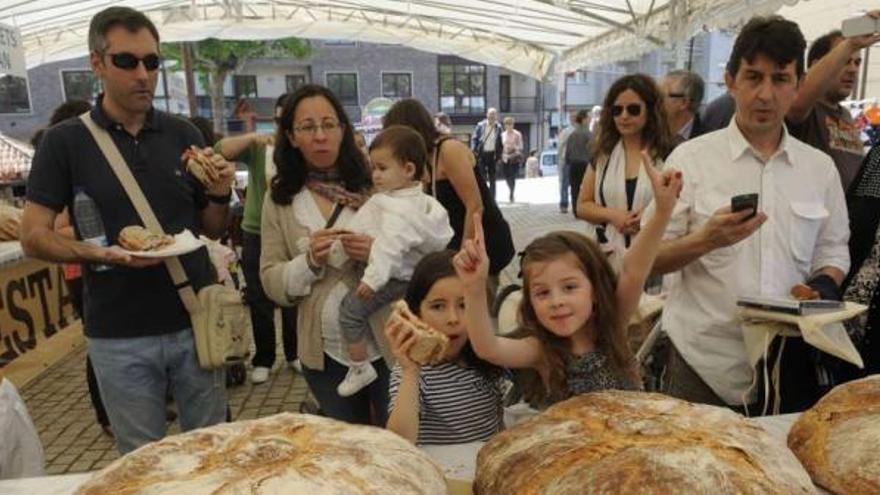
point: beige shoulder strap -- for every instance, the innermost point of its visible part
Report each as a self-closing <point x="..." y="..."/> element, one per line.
<point x="142" y="206"/>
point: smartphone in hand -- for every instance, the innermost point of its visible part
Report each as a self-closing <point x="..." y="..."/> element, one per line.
<point x="745" y="202"/>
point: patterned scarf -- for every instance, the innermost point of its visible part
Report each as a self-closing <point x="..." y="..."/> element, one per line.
<point x="327" y="183"/>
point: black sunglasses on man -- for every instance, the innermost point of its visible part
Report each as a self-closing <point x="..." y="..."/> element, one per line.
<point x="128" y="61"/>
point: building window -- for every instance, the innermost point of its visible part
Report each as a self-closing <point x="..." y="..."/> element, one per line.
<point x="504" y="93"/>
<point x="345" y="87"/>
<point x="80" y="85"/>
<point x="14" y="95"/>
<point x="245" y="86"/>
<point x="396" y="85"/>
<point x="294" y="81"/>
<point x="462" y="87"/>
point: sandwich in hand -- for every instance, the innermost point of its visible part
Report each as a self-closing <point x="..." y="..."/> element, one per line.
<point x="430" y="346"/>
<point x="137" y="238"/>
<point x="201" y="165"/>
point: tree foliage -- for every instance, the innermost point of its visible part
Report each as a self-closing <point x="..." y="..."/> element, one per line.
<point x="219" y="58"/>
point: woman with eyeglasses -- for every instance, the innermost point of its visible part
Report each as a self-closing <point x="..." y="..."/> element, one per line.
<point x="632" y="128"/>
<point x="321" y="180"/>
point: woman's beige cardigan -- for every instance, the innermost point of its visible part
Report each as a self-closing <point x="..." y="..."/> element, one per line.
<point x="280" y="231"/>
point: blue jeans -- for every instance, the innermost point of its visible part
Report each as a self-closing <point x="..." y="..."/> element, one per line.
<point x="354" y="409"/>
<point x="134" y="375"/>
<point x="564" y="184"/>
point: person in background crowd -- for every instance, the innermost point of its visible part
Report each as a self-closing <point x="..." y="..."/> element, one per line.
<point x="595" y="116"/>
<point x="322" y="179"/>
<point x="616" y="189"/>
<point x="533" y="167"/>
<point x="564" y="176"/>
<point x="256" y="150"/>
<point x="457" y="400"/>
<point x="486" y="144"/>
<point x="512" y="154"/>
<point x="139" y="333"/>
<point x="718" y="113"/>
<point x="817" y="117"/>
<point x="862" y="284"/>
<point x="443" y="123"/>
<point x="457" y="184"/>
<point x="406" y="224"/>
<point x="577" y="155"/>
<point x="722" y="254"/>
<point x="683" y="94"/>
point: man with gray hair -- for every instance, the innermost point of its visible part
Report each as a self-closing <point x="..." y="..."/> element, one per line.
<point x="684" y="92"/>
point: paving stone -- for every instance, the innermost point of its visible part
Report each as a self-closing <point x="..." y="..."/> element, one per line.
<point x="80" y="466"/>
<point x="56" y="469"/>
<point x="66" y="458"/>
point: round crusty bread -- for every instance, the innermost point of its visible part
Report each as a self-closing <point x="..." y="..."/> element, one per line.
<point x="634" y="442"/>
<point x="837" y="439"/>
<point x="281" y="454"/>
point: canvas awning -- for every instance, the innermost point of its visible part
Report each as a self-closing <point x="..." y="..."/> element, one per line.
<point x="525" y="36"/>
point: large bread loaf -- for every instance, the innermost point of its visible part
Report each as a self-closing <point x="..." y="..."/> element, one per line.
<point x="838" y="439"/>
<point x="281" y="454"/>
<point x="637" y="443"/>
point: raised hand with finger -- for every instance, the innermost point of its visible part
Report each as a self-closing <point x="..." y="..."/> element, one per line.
<point x="666" y="185"/>
<point x="472" y="263"/>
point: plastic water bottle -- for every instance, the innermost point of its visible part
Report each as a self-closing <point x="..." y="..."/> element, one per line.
<point x="89" y="224"/>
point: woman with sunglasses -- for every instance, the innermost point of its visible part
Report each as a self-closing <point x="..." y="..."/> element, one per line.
<point x="616" y="188"/>
<point x="321" y="180"/>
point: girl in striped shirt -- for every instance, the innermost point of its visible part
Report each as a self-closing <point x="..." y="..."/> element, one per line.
<point x="458" y="400"/>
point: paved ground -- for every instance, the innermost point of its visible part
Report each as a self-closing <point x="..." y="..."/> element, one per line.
<point x="59" y="402"/>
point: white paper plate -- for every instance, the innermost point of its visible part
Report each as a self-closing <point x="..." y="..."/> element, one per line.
<point x="184" y="242"/>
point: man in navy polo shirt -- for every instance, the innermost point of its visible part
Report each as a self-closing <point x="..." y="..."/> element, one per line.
<point x="138" y="331"/>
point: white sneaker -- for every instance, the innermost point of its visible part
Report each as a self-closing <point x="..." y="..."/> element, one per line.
<point x="296" y="365"/>
<point x="358" y="377"/>
<point x="259" y="375"/>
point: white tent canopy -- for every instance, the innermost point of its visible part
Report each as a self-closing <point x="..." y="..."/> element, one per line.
<point x="525" y="36"/>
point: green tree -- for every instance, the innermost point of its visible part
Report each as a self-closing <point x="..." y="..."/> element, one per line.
<point x="218" y="58"/>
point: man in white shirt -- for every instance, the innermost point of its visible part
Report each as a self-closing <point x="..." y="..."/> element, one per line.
<point x="799" y="233"/>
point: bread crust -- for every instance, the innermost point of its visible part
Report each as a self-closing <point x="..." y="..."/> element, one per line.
<point x="837" y="439"/>
<point x="281" y="454"/>
<point x="430" y="346"/>
<point x="634" y="442"/>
